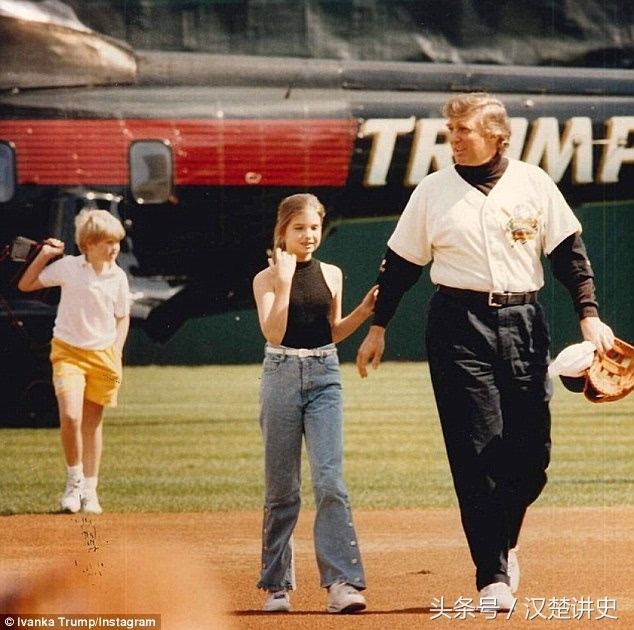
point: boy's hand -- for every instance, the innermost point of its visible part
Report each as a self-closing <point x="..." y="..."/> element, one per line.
<point x="52" y="247"/>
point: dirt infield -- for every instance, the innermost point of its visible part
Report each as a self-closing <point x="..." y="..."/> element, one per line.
<point x="577" y="566"/>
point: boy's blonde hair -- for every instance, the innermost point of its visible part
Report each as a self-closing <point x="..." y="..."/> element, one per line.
<point x="493" y="118"/>
<point x="92" y="226"/>
<point x="290" y="206"/>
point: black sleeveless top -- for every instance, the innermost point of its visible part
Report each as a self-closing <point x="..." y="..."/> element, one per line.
<point x="308" y="323"/>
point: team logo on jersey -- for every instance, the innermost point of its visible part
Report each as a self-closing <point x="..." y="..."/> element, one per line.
<point x="522" y="225"/>
<point x="522" y="230"/>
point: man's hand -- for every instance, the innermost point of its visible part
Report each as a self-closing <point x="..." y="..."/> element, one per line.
<point x="600" y="334"/>
<point x="371" y="350"/>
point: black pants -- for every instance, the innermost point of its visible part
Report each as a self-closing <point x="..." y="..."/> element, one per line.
<point x="489" y="374"/>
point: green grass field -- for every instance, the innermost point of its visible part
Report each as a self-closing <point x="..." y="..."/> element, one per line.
<point x="187" y="439"/>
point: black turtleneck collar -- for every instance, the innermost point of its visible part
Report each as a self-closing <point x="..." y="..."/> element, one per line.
<point x="304" y="264"/>
<point x="484" y="176"/>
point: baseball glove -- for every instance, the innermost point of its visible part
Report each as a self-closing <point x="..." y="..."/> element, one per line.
<point x="612" y="376"/>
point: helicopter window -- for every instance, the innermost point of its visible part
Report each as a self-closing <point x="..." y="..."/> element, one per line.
<point x="7" y="172"/>
<point x="151" y="171"/>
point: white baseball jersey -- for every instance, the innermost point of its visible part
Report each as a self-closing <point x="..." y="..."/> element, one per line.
<point x="484" y="242"/>
<point x="89" y="301"/>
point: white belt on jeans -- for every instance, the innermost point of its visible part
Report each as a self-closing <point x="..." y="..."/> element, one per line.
<point x="302" y="353"/>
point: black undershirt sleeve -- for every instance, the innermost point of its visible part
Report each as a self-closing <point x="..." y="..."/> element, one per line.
<point x="570" y="265"/>
<point x="396" y="276"/>
<point x="569" y="262"/>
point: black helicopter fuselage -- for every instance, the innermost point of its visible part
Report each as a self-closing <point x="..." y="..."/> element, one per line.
<point x="197" y="153"/>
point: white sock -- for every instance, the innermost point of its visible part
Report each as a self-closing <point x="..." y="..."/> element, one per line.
<point x="90" y="484"/>
<point x="75" y="473"/>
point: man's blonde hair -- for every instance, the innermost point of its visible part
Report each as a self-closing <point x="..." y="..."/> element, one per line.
<point x="493" y="119"/>
<point x="92" y="226"/>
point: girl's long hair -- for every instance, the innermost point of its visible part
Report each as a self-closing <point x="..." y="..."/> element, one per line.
<point x="289" y="206"/>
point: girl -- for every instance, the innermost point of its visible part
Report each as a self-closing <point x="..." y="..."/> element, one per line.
<point x="299" y="309"/>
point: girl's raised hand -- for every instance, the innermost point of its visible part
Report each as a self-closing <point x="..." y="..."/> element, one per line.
<point x="283" y="265"/>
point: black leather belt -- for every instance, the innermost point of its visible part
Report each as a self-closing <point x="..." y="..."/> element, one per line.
<point x="492" y="299"/>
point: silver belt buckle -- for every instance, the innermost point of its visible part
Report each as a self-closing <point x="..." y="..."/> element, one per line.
<point x="491" y="302"/>
<point x="302" y="353"/>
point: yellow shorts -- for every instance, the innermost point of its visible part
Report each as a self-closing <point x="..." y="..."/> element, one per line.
<point x="97" y="372"/>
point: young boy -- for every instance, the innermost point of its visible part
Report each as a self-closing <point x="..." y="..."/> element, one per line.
<point x="93" y="318"/>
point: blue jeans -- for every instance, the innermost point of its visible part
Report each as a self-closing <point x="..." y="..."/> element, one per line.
<point x="302" y="396"/>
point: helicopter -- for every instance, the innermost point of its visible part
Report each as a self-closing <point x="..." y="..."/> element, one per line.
<point x="193" y="152"/>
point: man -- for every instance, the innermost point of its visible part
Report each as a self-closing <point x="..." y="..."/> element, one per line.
<point x="484" y="223"/>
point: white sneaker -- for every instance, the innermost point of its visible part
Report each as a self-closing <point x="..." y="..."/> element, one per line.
<point x="344" y="598"/>
<point x="497" y="596"/>
<point x="277" y="601"/>
<point x="71" y="500"/>
<point x="90" y="503"/>
<point x="513" y="570"/>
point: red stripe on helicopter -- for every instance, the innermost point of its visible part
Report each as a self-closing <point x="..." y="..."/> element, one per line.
<point x="267" y="152"/>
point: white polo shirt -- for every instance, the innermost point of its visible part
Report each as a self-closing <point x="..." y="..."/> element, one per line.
<point x="484" y="242"/>
<point x="89" y="302"/>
